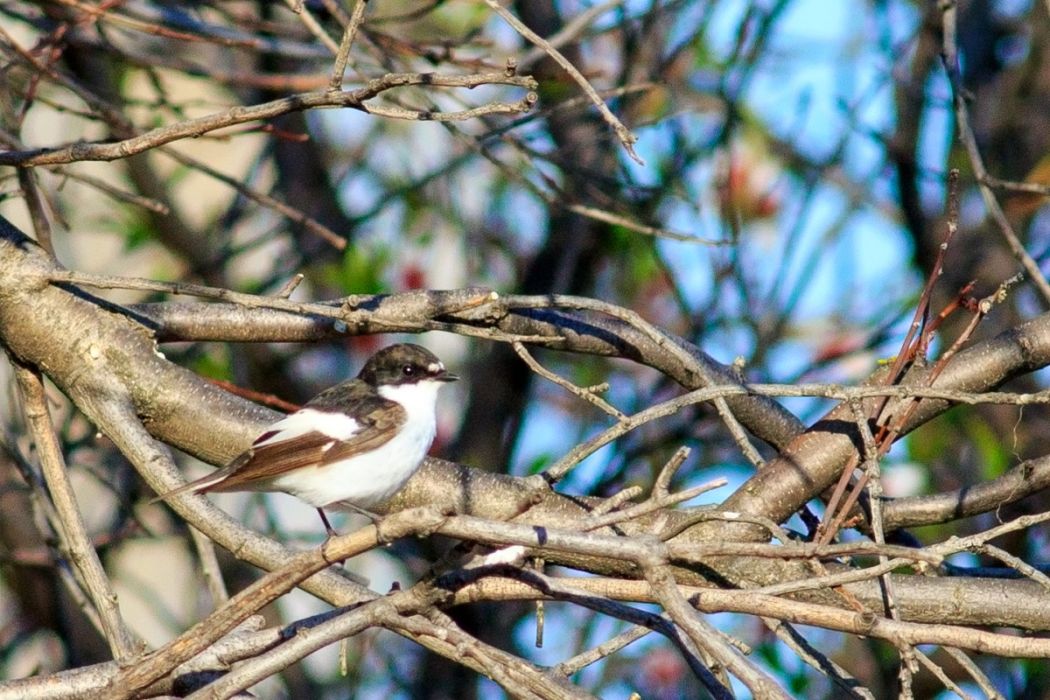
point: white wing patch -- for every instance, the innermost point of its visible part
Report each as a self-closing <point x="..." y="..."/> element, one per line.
<point x="369" y="478"/>
<point x="308" y="420"/>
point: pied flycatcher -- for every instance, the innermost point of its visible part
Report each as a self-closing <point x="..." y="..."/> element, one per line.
<point x="355" y="444"/>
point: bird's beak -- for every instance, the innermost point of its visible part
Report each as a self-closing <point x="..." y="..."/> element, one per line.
<point x="447" y="377"/>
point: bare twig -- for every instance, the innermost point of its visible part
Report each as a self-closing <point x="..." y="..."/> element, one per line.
<point x="293" y="214"/>
<point x="607" y="648"/>
<point x="935" y="669"/>
<point x="1016" y="563"/>
<point x="706" y="637"/>
<point x="261" y="593"/>
<point x="568" y="33"/>
<point x="311" y="23"/>
<point x="588" y="394"/>
<point x="35" y="203"/>
<point x="116" y="193"/>
<point x="72" y="530"/>
<point x="210" y="568"/>
<point x="194" y="128"/>
<point x="343" y="54"/>
<point x="979" y="676"/>
<point x="843" y="680"/>
<point x="627" y="139"/>
<point x="949" y="12"/>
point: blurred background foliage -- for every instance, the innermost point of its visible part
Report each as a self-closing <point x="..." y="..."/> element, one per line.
<point x="790" y="204"/>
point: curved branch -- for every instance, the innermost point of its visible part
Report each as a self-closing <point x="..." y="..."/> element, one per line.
<point x="1023" y="480"/>
<point x="413" y="312"/>
<point x="814" y="460"/>
<point x="804" y="469"/>
<point x="108" y="365"/>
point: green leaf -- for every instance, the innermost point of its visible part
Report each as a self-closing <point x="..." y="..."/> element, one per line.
<point x="359" y="272"/>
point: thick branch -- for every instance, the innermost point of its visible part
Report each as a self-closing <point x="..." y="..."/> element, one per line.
<point x="97" y="356"/>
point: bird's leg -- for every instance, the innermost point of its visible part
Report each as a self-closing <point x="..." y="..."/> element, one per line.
<point x="375" y="518"/>
<point x="327" y="525"/>
<point x="331" y="533"/>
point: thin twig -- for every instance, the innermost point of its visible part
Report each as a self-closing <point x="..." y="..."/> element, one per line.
<point x="311" y="23"/>
<point x="962" y="117"/>
<point x="1016" y="563"/>
<point x="657" y="502"/>
<point x="210" y="568"/>
<point x="846" y="683"/>
<point x="115" y="192"/>
<point x="293" y="214"/>
<point x="980" y="678"/>
<point x="568" y="33"/>
<point x="35" y="203"/>
<point x="936" y="670"/>
<point x="622" y="132"/>
<point x="588" y="394"/>
<point x="343" y="54"/>
<point x="71" y="525"/>
<point x="194" y="128"/>
<point x="707" y="637"/>
<point x="607" y="648"/>
<point x="617" y="499"/>
<point x="871" y="467"/>
<point x="264" y="591"/>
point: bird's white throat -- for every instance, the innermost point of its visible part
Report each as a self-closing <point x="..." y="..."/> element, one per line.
<point x="418" y="398"/>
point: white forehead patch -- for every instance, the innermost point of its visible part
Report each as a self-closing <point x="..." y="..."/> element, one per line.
<point x="435" y="367"/>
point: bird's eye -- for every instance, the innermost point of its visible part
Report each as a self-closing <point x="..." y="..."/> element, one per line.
<point x="408" y="370"/>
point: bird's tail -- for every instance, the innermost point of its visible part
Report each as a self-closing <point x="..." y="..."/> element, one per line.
<point x="197" y="486"/>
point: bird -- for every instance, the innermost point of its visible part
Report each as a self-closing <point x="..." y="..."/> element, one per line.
<point x="352" y="446"/>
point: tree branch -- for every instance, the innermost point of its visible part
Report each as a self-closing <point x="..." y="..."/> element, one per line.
<point x="195" y="128"/>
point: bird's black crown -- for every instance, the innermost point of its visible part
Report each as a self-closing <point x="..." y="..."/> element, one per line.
<point x="404" y="363"/>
